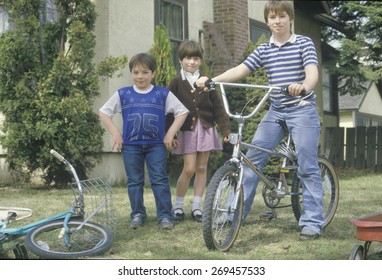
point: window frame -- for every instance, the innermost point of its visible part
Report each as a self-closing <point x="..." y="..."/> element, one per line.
<point x="329" y="91"/>
<point x="258" y="25"/>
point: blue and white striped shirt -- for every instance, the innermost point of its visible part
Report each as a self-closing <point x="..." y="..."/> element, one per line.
<point x="284" y="65"/>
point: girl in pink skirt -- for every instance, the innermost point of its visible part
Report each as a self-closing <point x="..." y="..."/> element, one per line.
<point x="198" y="135"/>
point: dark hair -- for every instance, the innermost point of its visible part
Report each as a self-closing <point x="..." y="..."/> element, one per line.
<point x="278" y="6"/>
<point x="143" y="59"/>
<point x="189" y="48"/>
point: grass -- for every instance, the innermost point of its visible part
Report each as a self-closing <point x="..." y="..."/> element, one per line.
<point x="360" y="194"/>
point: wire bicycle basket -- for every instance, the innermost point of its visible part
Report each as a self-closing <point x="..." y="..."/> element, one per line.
<point x="95" y="195"/>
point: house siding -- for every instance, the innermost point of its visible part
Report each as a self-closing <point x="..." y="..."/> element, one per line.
<point x="226" y="38"/>
<point x="372" y="103"/>
<point x="126" y="27"/>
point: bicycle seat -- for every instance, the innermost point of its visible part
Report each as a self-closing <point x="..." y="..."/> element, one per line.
<point x="283" y="125"/>
<point x="16" y="213"/>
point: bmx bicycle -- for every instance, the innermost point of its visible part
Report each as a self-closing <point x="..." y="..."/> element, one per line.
<point x="85" y="229"/>
<point x="223" y="206"/>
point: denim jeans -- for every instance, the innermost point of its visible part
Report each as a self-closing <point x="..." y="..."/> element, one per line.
<point x="304" y="125"/>
<point x="134" y="158"/>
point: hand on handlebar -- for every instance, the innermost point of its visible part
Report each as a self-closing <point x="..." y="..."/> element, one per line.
<point x="205" y="83"/>
<point x="296" y="89"/>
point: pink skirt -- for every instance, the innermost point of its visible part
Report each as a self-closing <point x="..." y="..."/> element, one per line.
<point x="198" y="140"/>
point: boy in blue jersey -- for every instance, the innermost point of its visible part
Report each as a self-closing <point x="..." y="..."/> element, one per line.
<point x="143" y="138"/>
<point x="288" y="59"/>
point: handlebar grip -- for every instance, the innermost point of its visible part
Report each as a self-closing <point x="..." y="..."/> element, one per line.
<point x="208" y="84"/>
<point x="284" y="89"/>
<point x="57" y="155"/>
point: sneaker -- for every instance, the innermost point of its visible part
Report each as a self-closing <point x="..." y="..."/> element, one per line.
<point x="178" y="214"/>
<point x="197" y="215"/>
<point x="307" y="234"/>
<point x="165" y="224"/>
<point x="137" y="221"/>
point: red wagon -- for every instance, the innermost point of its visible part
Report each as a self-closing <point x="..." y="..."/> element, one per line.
<point x="369" y="228"/>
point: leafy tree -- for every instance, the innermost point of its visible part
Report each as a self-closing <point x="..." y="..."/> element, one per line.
<point x="47" y="86"/>
<point x="239" y="97"/>
<point x="161" y="50"/>
<point x="360" y="43"/>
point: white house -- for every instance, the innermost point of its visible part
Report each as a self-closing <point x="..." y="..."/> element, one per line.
<point x="224" y="27"/>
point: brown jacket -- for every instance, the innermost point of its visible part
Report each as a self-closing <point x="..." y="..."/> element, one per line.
<point x="207" y="106"/>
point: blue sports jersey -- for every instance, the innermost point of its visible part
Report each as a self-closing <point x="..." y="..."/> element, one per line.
<point x="143" y="115"/>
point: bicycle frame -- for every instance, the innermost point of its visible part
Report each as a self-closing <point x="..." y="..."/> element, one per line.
<point x="224" y="201"/>
<point x="238" y="157"/>
<point x="10" y="234"/>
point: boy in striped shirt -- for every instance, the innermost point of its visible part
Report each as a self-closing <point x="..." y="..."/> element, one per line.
<point x="291" y="60"/>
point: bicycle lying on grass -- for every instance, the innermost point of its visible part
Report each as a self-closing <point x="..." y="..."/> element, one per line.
<point x="223" y="206"/>
<point x="69" y="234"/>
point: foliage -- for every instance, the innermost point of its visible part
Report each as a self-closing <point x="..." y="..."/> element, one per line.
<point x="112" y="66"/>
<point x="47" y="85"/>
<point x="161" y="50"/>
<point x="360" y="43"/>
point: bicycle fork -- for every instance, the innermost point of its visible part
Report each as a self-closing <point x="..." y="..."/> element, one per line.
<point x="237" y="191"/>
<point x="67" y="232"/>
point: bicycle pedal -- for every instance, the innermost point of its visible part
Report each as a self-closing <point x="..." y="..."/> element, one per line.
<point x="287" y="169"/>
<point x="20" y="252"/>
<point x="266" y="216"/>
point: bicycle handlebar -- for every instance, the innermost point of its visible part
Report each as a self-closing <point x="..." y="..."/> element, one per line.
<point x="72" y="170"/>
<point x="57" y="155"/>
<point x="211" y="85"/>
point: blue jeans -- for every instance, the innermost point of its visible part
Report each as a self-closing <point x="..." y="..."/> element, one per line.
<point x="134" y="158"/>
<point x="304" y="125"/>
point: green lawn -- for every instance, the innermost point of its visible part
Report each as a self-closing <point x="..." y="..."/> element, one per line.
<point x="360" y="194"/>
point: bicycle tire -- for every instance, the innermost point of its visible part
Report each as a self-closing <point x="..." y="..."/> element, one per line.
<point x="221" y="223"/>
<point x="92" y="239"/>
<point x="358" y="253"/>
<point x="331" y="192"/>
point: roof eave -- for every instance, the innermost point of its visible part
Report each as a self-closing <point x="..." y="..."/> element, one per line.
<point x="330" y="21"/>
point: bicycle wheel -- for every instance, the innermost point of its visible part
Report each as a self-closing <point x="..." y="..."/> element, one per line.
<point x="47" y="240"/>
<point x="357" y="253"/>
<point x="221" y="221"/>
<point x="331" y="192"/>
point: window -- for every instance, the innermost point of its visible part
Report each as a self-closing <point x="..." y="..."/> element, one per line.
<point x="4" y="23"/>
<point x="51" y="11"/>
<point x="49" y="15"/>
<point x="256" y="29"/>
<point x="328" y="91"/>
<point x="173" y="15"/>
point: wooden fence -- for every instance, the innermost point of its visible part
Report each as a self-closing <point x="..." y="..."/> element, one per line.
<point x="359" y="147"/>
